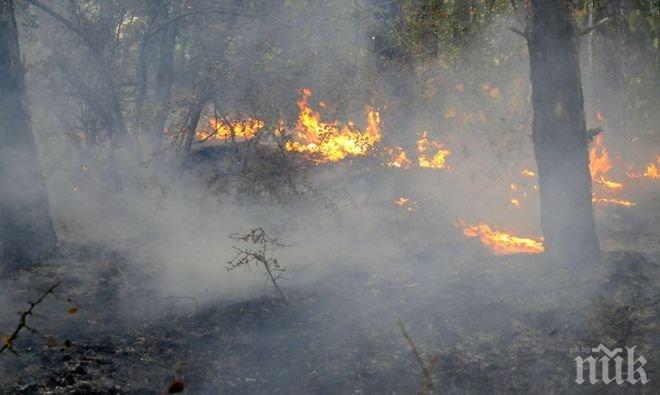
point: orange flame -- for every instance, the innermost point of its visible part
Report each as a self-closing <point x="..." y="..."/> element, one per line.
<point x="222" y="130"/>
<point x="611" y="201"/>
<point x="527" y="173"/>
<point x="331" y="142"/>
<point x="500" y="242"/>
<point x="599" y="159"/>
<point x="438" y="160"/>
<point x="652" y="171"/>
<point x="406" y="203"/>
<point x="609" y="184"/>
<point x="398" y="157"/>
<point x="600" y="164"/>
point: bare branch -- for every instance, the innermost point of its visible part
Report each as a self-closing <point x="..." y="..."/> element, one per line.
<point x="263" y="243"/>
<point x="519" y="32"/>
<point x="50" y="11"/>
<point x="513" y="4"/>
<point x="182" y="15"/>
<point x="596" y="25"/>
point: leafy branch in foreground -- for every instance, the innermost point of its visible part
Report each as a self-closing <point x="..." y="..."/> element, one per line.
<point x="426" y="387"/>
<point x="8" y="341"/>
<point x="259" y="245"/>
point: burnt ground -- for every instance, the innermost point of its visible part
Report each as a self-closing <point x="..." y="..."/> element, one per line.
<point x="495" y="324"/>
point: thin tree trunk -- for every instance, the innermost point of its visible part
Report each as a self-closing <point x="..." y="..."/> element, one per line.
<point x="560" y="142"/>
<point x="607" y="66"/>
<point x="164" y="81"/>
<point x="192" y="119"/>
<point x="141" y="84"/>
<point x="155" y="125"/>
<point x="164" y="77"/>
<point x="26" y="229"/>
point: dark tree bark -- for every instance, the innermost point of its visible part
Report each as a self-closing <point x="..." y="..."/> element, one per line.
<point x="26" y="229"/>
<point x="560" y="141"/>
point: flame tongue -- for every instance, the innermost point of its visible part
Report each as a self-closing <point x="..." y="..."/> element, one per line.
<point x="600" y="164"/>
<point x="609" y="184"/>
<point x="613" y="202"/>
<point x="500" y="242"/>
<point x="527" y="173"/>
<point x="329" y="141"/>
<point x="599" y="159"/>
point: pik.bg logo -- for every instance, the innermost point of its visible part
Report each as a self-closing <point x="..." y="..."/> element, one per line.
<point x="607" y="366"/>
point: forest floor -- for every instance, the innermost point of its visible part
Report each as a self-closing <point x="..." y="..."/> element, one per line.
<point x="489" y="324"/>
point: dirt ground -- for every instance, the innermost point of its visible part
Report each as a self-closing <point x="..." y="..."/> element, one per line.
<point x="484" y="323"/>
<point x="337" y="335"/>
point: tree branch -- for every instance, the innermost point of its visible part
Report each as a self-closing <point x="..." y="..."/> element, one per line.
<point x="55" y="15"/>
<point x="518" y="32"/>
<point x="182" y="15"/>
<point x="513" y="5"/>
<point x="596" y="25"/>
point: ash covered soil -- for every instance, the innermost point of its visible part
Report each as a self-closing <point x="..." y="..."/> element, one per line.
<point x="489" y="324"/>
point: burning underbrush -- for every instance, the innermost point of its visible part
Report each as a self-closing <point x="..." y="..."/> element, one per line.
<point x="320" y="157"/>
<point x="263" y="162"/>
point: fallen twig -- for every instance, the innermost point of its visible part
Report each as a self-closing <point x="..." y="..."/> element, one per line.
<point x="22" y="322"/>
<point x="426" y="387"/>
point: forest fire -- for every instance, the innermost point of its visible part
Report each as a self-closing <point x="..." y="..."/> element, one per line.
<point x="438" y="160"/>
<point x="330" y="141"/>
<point x="500" y="242"/>
<point x="307" y="196"/>
<point x="222" y="130"/>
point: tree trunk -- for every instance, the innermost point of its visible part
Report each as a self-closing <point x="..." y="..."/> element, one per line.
<point x="161" y="14"/>
<point x="192" y="119"/>
<point x="560" y="141"/>
<point x="104" y="49"/>
<point x="26" y="229"/>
